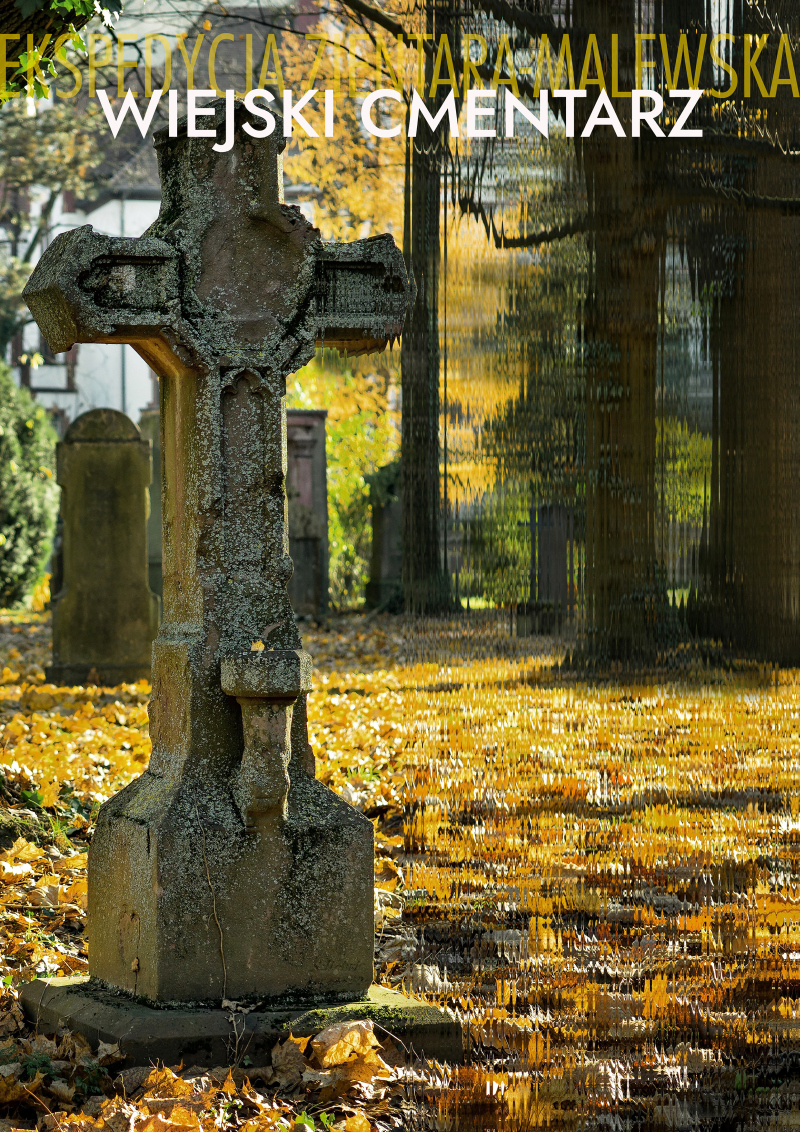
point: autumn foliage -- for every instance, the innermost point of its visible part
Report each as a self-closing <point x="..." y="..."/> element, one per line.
<point x="576" y="871"/>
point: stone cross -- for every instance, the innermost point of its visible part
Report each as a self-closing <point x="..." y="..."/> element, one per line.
<point x="104" y="615"/>
<point x="226" y="870"/>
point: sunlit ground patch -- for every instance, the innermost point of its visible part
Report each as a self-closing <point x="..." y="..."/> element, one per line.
<point x="601" y="881"/>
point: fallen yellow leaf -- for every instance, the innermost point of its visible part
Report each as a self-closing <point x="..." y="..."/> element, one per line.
<point x="342" y="1042"/>
<point x="288" y="1063"/>
<point x="23" y="850"/>
<point x="165" y="1083"/>
<point x="357" y="1123"/>
<point x="13" y="874"/>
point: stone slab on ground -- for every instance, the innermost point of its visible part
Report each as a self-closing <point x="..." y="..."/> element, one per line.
<point x="206" y="1035"/>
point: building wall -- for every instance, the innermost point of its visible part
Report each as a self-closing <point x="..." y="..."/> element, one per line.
<point x="105" y="376"/>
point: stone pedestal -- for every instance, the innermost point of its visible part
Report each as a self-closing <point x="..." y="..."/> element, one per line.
<point x="307" y="492"/>
<point x="104" y="615"/>
<point x="206" y="1036"/>
<point x="257" y="891"/>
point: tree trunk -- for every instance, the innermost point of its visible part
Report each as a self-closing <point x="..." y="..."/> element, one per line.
<point x="425" y="584"/>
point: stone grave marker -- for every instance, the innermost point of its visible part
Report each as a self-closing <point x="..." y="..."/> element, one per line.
<point x="307" y="491"/>
<point x="385" y="585"/>
<point x="553" y="560"/>
<point x="104" y="614"/>
<point x="551" y="568"/>
<point x="150" y="427"/>
<point x="226" y="872"/>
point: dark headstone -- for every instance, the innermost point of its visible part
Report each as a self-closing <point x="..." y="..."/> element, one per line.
<point x="385" y="585"/>
<point x="552" y="601"/>
<point x="150" y="428"/>
<point x="307" y="492"/>
<point x="104" y="614"/>
<point x="552" y="566"/>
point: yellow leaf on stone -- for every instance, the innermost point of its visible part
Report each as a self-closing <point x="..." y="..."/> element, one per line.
<point x="342" y="1042"/>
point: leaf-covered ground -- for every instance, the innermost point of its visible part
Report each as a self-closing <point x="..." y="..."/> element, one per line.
<point x="64" y="752"/>
<point x="600" y="880"/>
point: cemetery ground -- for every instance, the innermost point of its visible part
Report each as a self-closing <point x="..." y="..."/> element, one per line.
<point x="64" y="751"/>
<point x="519" y="815"/>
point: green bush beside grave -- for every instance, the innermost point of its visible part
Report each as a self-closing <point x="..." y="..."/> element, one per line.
<point x="28" y="491"/>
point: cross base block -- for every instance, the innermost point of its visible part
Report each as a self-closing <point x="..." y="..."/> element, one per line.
<point x="206" y="1035"/>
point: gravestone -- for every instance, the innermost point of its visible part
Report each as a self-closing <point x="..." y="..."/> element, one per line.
<point x="226" y="871"/>
<point x="104" y="614"/>
<point x="307" y="492"/>
<point x="385" y="585"/>
<point x="150" y="427"/>
<point x="552" y="564"/>
<point x="551" y="567"/>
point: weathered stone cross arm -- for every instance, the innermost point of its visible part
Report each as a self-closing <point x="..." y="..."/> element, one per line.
<point x="94" y="288"/>
<point x="226" y="869"/>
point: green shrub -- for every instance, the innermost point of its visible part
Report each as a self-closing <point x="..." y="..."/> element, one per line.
<point x="28" y="491"/>
<point x="497" y="549"/>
